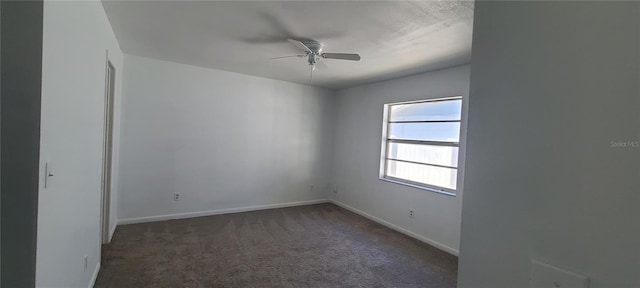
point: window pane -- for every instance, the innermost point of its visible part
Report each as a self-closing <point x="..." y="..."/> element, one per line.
<point x="447" y="131"/>
<point x="436" y="176"/>
<point x="439" y="155"/>
<point x="427" y="111"/>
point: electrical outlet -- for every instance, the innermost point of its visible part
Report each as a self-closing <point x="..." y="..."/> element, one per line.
<point x="335" y="189"/>
<point x="412" y="214"/>
<point x="311" y="188"/>
<point x="86" y="262"/>
<point x="176" y="196"/>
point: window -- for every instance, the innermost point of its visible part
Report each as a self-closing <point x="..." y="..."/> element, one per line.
<point x="421" y="142"/>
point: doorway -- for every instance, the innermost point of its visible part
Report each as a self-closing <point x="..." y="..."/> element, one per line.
<point x="107" y="153"/>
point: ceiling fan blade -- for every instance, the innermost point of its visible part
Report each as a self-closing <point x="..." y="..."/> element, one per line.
<point x="341" y="56"/>
<point x="290" y="56"/>
<point x="300" y="45"/>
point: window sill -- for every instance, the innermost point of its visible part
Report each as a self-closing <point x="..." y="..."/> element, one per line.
<point x="453" y="194"/>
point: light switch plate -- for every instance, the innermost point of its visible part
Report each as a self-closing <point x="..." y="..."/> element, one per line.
<point x="544" y="275"/>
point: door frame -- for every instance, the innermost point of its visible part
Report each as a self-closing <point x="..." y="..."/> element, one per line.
<point x="107" y="152"/>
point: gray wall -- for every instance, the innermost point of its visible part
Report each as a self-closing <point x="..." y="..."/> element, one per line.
<point x="21" y="56"/>
<point x="554" y="95"/>
<point x="358" y="134"/>
<point x="223" y="140"/>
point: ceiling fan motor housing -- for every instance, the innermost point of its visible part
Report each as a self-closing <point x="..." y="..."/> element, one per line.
<point x="316" y="50"/>
<point x="314" y="46"/>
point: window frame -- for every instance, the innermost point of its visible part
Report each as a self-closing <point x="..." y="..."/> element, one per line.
<point x="386" y="141"/>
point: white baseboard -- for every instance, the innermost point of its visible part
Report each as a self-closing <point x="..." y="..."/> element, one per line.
<point x="95" y="276"/>
<point x="283" y="205"/>
<point x="217" y="212"/>
<point x="438" y="245"/>
<point x="112" y="230"/>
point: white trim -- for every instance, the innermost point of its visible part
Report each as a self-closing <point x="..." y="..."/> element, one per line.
<point x="434" y="99"/>
<point x="433" y="243"/>
<point x="425" y="187"/>
<point x="95" y="276"/>
<point x="385" y="147"/>
<point x="217" y="212"/>
<point x="112" y="230"/>
<point x="108" y="130"/>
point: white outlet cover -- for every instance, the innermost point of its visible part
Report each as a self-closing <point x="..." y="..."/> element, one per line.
<point x="544" y="275"/>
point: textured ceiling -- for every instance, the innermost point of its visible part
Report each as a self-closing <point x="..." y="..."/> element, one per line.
<point x="394" y="38"/>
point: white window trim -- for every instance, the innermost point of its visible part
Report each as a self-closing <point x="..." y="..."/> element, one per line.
<point x="384" y="146"/>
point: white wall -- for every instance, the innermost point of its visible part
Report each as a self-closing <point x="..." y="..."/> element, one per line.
<point x="76" y="38"/>
<point x="552" y="85"/>
<point x="356" y="164"/>
<point x="223" y="140"/>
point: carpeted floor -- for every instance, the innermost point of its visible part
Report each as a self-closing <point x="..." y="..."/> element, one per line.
<point x="308" y="246"/>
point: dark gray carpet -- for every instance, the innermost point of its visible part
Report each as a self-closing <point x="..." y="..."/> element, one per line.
<point x="308" y="246"/>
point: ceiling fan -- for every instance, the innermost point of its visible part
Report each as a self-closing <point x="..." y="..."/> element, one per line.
<point x="313" y="52"/>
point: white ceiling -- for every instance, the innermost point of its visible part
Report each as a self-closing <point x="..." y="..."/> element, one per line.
<point x="394" y="38"/>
